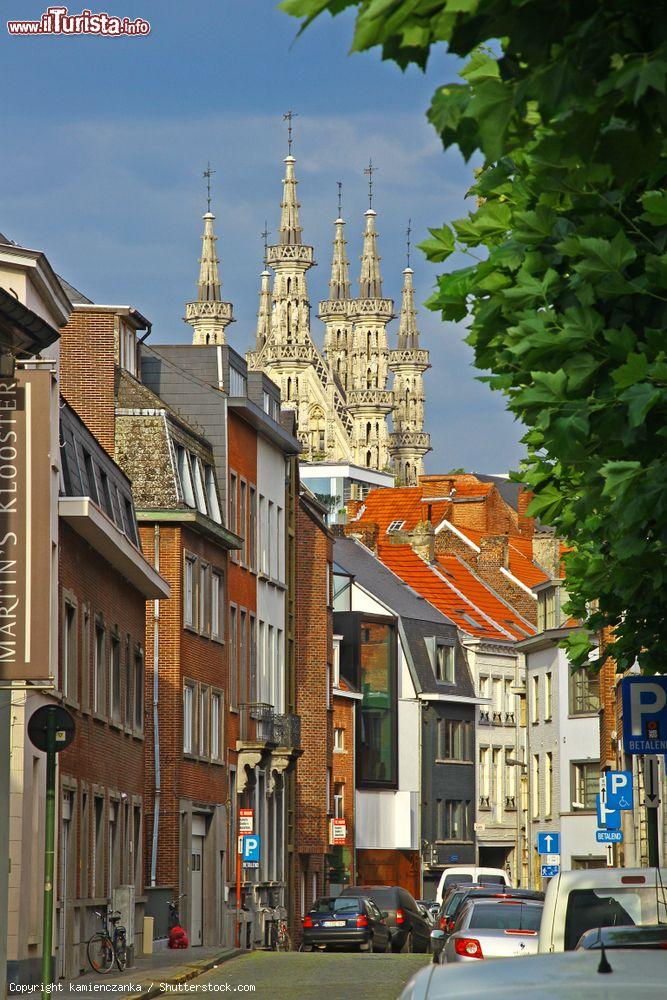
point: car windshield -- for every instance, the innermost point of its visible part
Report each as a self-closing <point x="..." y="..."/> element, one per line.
<point x="339" y="904"/>
<point x="621" y="906"/>
<point x="385" y="899"/>
<point x="505" y="916"/>
<point x="455" y="880"/>
<point x="454" y="902"/>
<point x="491" y="880"/>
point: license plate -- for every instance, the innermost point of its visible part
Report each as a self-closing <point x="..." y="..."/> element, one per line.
<point x="333" y="923"/>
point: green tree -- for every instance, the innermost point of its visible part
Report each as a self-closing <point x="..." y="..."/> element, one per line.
<point x="566" y="289"/>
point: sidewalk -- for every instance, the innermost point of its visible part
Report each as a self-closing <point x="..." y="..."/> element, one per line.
<point x="148" y="972"/>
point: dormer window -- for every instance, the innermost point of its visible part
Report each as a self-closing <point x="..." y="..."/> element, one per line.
<point x="395" y="526"/>
<point x="127" y="348"/>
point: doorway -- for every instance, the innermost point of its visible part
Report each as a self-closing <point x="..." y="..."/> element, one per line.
<point x="197" y="881"/>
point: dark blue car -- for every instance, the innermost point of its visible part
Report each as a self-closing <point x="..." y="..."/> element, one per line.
<point x="346" y="922"/>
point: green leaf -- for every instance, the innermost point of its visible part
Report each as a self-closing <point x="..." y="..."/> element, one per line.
<point x="640" y="399"/>
<point x="655" y="207"/>
<point x="440" y="246"/>
<point x="634" y="370"/>
<point x="619" y="475"/>
<point x="491" y="106"/>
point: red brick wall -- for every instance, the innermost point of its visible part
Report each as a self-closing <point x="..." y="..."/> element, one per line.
<point x="102" y="753"/>
<point x="182" y="654"/>
<point x="87" y="371"/>
<point x="343" y="770"/>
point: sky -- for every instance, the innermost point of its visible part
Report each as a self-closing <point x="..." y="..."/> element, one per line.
<point x="104" y="141"/>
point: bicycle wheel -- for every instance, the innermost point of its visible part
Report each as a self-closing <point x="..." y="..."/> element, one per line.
<point x="121" y="949"/>
<point x="100" y="952"/>
<point x="283" y="942"/>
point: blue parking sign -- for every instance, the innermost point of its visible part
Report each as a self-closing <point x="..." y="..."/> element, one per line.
<point x="645" y="714"/>
<point x="251" y="848"/>
<point x="608" y="819"/>
<point x="619" y="789"/>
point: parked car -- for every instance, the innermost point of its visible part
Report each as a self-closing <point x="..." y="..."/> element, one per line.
<point x="568" y="976"/>
<point x="425" y="909"/>
<point x="346" y="921"/>
<point x="576" y="901"/>
<point x="494" y="928"/>
<point x="458" y="896"/>
<point x="410" y="929"/>
<point x="462" y="874"/>
<point x="652" y="937"/>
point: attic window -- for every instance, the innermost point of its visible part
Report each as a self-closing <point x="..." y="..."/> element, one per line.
<point x="471" y="621"/>
<point x="395" y="526"/>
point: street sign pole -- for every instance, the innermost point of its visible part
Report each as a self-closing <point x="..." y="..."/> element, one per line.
<point x="651" y="800"/>
<point x="239" y="848"/>
<point x="49" y="852"/>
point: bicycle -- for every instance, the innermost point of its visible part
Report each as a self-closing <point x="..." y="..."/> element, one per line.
<point x="279" y="939"/>
<point x="108" y="945"/>
<point x="174" y="916"/>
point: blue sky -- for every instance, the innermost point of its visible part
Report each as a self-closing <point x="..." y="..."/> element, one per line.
<point x="105" y="140"/>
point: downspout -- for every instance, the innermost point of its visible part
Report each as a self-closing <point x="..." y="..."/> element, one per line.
<point x="156" y="727"/>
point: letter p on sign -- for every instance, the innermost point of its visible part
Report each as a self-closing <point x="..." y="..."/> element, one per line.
<point x="647" y="698"/>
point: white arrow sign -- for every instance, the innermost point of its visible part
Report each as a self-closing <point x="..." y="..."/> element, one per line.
<point x="548" y="841"/>
<point x="651" y="782"/>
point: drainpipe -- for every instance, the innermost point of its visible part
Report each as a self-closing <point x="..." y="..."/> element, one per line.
<point x="156" y="727"/>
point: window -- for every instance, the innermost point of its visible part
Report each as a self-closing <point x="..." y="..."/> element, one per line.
<point x="280" y="546"/>
<point x="547" y="696"/>
<point x="266" y="402"/>
<point x="139" y="690"/>
<point x="611" y="906"/>
<point x="585" y="784"/>
<point x="70" y="666"/>
<point x="90" y="476"/>
<point x="99" y="671"/>
<point x="263" y="535"/>
<point x="394" y="526"/>
<point x="485" y="774"/>
<point x="272" y="570"/>
<point x="184" y="475"/>
<point x="188" y="717"/>
<point x="233" y="657"/>
<point x="203" y="721"/>
<point x="342" y="592"/>
<point x="216" y="725"/>
<point x="98" y="847"/>
<point x="237" y="382"/>
<point x="211" y="494"/>
<point x="127" y="714"/>
<point x="217" y="604"/>
<point x="535" y="705"/>
<point x="233" y="504"/>
<point x="484" y="687"/>
<point x="444" y="660"/>
<point x="189" y="592"/>
<point x="243" y="520"/>
<point x="243" y="657"/>
<point x="253" y="658"/>
<point x="455" y="739"/>
<point x="252" y="529"/>
<point x="136" y="834"/>
<point x="105" y="496"/>
<point x="339" y="740"/>
<point x="377" y="731"/>
<point x="535" y="790"/>
<point x="85" y="658"/>
<point x="327" y="791"/>
<point x="339" y="800"/>
<point x="584" y="693"/>
<point x="454" y="820"/>
<point x="548" y="784"/>
<point x="509" y="701"/>
<point x="200" y="497"/>
<point x="203" y="598"/>
<point x="336" y="661"/>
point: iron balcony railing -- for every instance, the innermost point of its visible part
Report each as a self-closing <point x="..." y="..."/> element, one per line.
<point x="260" y="722"/>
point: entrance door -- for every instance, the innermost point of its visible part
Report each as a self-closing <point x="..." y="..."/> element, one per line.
<point x="63" y="944"/>
<point x="197" y="881"/>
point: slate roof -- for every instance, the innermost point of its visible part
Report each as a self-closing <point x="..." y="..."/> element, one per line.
<point x="508" y="489"/>
<point x="72" y="293"/>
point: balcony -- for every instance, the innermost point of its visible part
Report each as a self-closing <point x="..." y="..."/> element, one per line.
<point x="260" y="724"/>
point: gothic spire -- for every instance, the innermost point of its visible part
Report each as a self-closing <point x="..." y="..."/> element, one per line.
<point x="208" y="288"/>
<point x="339" y="285"/>
<point x="208" y="315"/>
<point x="370" y="281"/>
<point x="264" y="313"/>
<point x="290" y="230"/>
<point x="408" y="332"/>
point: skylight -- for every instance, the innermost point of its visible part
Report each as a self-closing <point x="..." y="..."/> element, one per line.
<point x="395" y="526"/>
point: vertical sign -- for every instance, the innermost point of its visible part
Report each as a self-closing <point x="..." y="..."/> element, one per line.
<point x="25" y="526"/>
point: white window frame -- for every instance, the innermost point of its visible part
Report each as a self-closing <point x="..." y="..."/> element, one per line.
<point x="189" y="591"/>
<point x="189" y="716"/>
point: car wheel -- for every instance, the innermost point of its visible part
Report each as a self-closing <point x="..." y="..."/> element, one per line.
<point x="387" y="948"/>
<point x="371" y="945"/>
<point x="409" y="945"/>
<point x="305" y="947"/>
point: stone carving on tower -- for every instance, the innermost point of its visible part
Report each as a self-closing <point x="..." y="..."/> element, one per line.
<point x="408" y="442"/>
<point x="208" y="316"/>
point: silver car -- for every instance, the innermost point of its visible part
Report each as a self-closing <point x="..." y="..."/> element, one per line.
<point x="495" y="928"/>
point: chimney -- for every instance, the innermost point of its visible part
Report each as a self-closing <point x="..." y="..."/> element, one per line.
<point x="423" y="540"/>
<point x="526" y="524"/>
<point x="546" y="553"/>
<point x="494" y="553"/>
<point x="365" y="533"/>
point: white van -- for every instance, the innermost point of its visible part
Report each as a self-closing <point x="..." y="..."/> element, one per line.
<point x="461" y="874"/>
<point x="575" y="901"/>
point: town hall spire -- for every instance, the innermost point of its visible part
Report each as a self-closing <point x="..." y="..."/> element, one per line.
<point x="334" y="310"/>
<point x="208" y="315"/>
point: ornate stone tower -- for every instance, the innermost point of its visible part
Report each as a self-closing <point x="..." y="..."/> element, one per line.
<point x="208" y="316"/>
<point x="335" y="311"/>
<point x="408" y="443"/>
<point x="368" y="399"/>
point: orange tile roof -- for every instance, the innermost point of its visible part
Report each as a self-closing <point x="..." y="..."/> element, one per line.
<point x="457" y="593"/>
<point x="521" y="563"/>
<point x="400" y="504"/>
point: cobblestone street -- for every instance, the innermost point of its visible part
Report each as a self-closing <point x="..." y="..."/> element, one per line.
<point x="332" y="976"/>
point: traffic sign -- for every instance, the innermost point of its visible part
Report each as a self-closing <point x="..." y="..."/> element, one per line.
<point x="548" y="843"/>
<point x="608" y="819"/>
<point x="63" y="726"/>
<point x="549" y="871"/>
<point x="645" y="714"/>
<point x="251" y="849"/>
<point x="651" y="782"/>
<point x="551" y="859"/>
<point x="618" y="785"/>
<point x="609" y="836"/>
<point x="246" y="820"/>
